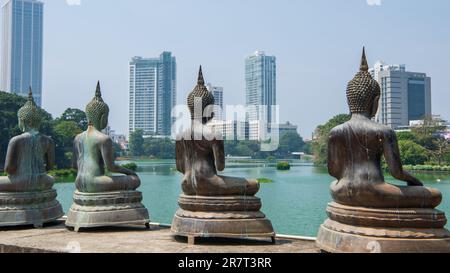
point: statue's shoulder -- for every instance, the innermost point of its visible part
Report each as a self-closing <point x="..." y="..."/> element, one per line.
<point x="16" y="139"/>
<point x="80" y="135"/>
<point x="339" y="130"/>
<point x="379" y="128"/>
<point x="46" y="138"/>
<point x="387" y="131"/>
<point x="20" y="137"/>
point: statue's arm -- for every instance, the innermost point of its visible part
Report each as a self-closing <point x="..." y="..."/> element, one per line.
<point x="393" y="159"/>
<point x="334" y="157"/>
<point x="219" y="154"/>
<point x="107" y="151"/>
<point x="180" y="160"/>
<point x="75" y="154"/>
<point x="50" y="155"/>
<point x="11" y="158"/>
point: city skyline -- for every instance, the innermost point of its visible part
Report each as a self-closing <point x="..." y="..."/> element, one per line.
<point x="22" y="48"/>
<point x="317" y="44"/>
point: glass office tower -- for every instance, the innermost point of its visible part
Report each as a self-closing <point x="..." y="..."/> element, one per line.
<point x="152" y="94"/>
<point x="22" y="47"/>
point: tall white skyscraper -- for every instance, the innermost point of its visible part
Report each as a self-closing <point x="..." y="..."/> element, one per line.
<point x="261" y="87"/>
<point x="152" y="94"/>
<point x="405" y="96"/>
<point x="22" y="47"/>
<point x="218" y="99"/>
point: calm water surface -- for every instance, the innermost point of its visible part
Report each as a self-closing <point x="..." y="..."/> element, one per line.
<point x="295" y="202"/>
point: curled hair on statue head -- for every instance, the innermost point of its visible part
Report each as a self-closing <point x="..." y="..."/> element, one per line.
<point x="363" y="90"/>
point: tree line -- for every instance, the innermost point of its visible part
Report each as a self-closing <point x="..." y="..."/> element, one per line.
<point x="164" y="148"/>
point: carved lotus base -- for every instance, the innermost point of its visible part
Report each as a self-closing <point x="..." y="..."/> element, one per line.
<point x="368" y="230"/>
<point x="29" y="208"/>
<point x="91" y="210"/>
<point x="228" y="217"/>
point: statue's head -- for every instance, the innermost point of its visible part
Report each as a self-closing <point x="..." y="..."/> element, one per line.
<point x="363" y="92"/>
<point x="29" y="115"/>
<point x="200" y="98"/>
<point x="97" y="111"/>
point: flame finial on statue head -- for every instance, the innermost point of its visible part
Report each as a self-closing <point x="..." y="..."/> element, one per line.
<point x="364" y="66"/>
<point x="98" y="92"/>
<point x="200" y="80"/>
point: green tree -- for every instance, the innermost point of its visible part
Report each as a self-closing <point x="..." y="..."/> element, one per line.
<point x="162" y="148"/>
<point x="412" y="153"/>
<point x="427" y="133"/>
<point x="406" y="136"/>
<point x="117" y="150"/>
<point x="64" y="135"/>
<point x="136" y="143"/>
<point x="77" y="116"/>
<point x="322" y="134"/>
<point x="289" y="143"/>
<point x="442" y="151"/>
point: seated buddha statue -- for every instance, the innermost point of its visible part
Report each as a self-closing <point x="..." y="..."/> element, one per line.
<point x="101" y="200"/>
<point x="93" y="151"/>
<point x="208" y="198"/>
<point x="29" y="155"/>
<point x="199" y="160"/>
<point x="355" y="151"/>
<point x="368" y="214"/>
<point x="26" y="194"/>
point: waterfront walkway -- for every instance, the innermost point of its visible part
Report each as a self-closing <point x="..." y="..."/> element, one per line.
<point x="56" y="238"/>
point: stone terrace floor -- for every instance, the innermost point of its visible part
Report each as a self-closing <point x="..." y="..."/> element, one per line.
<point x="56" y="238"/>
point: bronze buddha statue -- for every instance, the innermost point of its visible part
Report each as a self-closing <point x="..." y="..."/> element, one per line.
<point x="364" y="204"/>
<point x="199" y="160"/>
<point x="102" y="200"/>
<point x="93" y="151"/>
<point x="213" y="205"/>
<point x="27" y="190"/>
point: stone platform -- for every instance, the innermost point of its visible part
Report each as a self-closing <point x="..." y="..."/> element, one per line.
<point x="56" y="238"/>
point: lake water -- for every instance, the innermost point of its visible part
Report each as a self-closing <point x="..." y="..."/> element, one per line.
<point x="295" y="202"/>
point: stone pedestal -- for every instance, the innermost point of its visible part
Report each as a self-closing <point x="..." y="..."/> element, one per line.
<point x="370" y="230"/>
<point x="229" y="217"/>
<point x="29" y="208"/>
<point x="91" y="210"/>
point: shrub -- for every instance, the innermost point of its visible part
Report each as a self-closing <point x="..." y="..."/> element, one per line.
<point x="62" y="173"/>
<point x="265" y="180"/>
<point x="130" y="166"/>
<point x="283" y="166"/>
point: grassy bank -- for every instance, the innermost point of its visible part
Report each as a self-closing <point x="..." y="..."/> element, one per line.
<point x="428" y="168"/>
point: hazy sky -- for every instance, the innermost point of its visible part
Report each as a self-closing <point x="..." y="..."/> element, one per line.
<point x="317" y="44"/>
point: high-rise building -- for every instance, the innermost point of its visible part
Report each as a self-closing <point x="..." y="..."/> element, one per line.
<point x="218" y="99"/>
<point x="405" y="96"/>
<point x="261" y="95"/>
<point x="22" y="46"/>
<point x="152" y="94"/>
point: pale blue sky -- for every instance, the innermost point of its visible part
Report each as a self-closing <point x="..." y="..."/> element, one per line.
<point x="317" y="44"/>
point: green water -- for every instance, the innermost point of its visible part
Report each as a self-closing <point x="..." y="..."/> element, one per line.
<point x="295" y="202"/>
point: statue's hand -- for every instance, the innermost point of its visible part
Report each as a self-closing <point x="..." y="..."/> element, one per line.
<point x="132" y="173"/>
